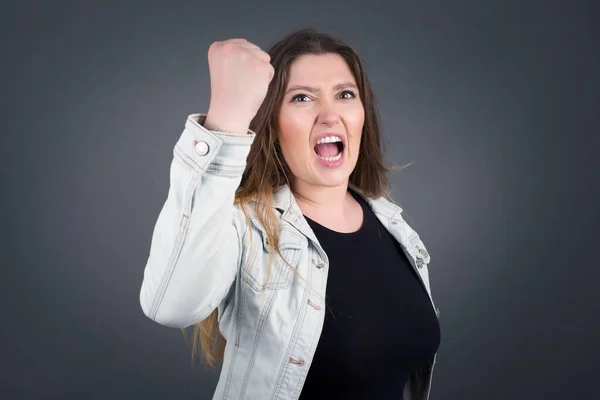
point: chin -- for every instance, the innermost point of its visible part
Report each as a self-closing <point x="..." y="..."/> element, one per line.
<point x="332" y="179"/>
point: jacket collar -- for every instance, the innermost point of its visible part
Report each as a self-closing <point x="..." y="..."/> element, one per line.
<point x="285" y="201"/>
<point x="387" y="212"/>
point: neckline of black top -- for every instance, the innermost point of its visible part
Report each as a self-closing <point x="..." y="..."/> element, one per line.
<point x="357" y="235"/>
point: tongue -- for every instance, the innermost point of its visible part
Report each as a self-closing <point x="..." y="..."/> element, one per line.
<point x="327" y="149"/>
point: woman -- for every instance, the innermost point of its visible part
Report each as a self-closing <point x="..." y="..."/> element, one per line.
<point x="278" y="192"/>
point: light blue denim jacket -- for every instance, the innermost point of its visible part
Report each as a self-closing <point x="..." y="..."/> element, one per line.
<point x="201" y="258"/>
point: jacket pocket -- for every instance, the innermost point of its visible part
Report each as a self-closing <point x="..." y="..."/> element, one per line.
<point x="291" y="245"/>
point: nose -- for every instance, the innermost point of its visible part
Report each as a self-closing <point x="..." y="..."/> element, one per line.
<point x="328" y="115"/>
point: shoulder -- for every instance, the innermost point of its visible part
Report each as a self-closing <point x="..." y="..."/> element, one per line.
<point x="249" y="215"/>
<point x="384" y="206"/>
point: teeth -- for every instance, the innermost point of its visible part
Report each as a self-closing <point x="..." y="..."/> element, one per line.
<point x="329" y="139"/>
<point x="331" y="158"/>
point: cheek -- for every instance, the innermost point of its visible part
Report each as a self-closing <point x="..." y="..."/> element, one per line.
<point x="358" y="118"/>
<point x="287" y="145"/>
<point x="294" y="128"/>
<point x="291" y="147"/>
<point x="356" y="122"/>
<point x="294" y="132"/>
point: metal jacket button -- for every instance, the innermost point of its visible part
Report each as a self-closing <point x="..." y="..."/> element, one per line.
<point x="202" y="148"/>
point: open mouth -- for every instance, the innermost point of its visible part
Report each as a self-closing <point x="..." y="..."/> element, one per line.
<point x="329" y="149"/>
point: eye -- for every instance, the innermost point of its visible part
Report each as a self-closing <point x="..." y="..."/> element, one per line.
<point x="298" y="96"/>
<point x="301" y="95"/>
<point x="351" y="92"/>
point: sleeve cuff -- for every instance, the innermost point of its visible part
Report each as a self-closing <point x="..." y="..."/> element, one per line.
<point x="204" y="150"/>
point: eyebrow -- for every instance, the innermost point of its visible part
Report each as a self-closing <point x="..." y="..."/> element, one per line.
<point x="339" y="86"/>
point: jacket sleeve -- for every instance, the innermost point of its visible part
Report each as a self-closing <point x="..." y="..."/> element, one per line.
<point x="194" y="252"/>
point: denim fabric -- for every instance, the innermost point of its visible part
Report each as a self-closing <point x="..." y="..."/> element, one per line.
<point x="204" y="255"/>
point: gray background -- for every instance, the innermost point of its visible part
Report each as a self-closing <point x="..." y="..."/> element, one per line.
<point x="495" y="103"/>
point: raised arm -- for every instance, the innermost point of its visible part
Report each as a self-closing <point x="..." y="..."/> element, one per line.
<point x="195" y="248"/>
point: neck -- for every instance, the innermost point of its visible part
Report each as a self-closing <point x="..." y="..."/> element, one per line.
<point x="333" y="201"/>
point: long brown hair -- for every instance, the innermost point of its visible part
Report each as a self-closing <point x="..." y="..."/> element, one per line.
<point x="267" y="170"/>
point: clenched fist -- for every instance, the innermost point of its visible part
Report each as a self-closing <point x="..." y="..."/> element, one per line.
<point x="240" y="74"/>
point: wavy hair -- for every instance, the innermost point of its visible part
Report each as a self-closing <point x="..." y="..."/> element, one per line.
<point x="266" y="169"/>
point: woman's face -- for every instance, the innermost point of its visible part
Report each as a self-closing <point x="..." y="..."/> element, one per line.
<point x="321" y="121"/>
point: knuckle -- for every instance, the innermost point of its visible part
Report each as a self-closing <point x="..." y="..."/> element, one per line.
<point x="228" y="46"/>
<point x="213" y="47"/>
<point x="245" y="55"/>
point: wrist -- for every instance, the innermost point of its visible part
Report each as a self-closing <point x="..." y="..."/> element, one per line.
<point x="226" y="123"/>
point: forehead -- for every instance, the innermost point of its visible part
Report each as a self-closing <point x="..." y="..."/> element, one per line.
<point x="322" y="68"/>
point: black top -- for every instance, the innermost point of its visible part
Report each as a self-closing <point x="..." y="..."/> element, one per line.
<point x="379" y="324"/>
